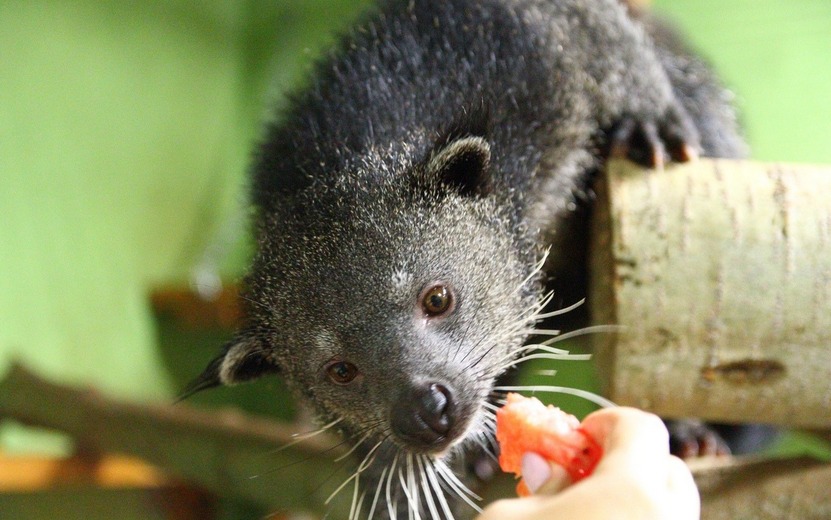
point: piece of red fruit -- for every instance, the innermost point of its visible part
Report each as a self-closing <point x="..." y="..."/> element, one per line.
<point x="525" y="424"/>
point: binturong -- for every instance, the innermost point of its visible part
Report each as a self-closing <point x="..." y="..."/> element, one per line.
<point x="405" y="201"/>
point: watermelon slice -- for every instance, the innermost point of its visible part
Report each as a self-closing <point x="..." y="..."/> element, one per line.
<point x="525" y="424"/>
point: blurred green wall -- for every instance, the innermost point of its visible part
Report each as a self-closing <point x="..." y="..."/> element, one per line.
<point x="125" y="129"/>
<point x="776" y="56"/>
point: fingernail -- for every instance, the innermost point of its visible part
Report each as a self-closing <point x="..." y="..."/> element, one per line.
<point x="535" y="471"/>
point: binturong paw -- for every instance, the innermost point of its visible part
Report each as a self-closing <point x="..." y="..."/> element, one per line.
<point x="689" y="439"/>
<point x="650" y="142"/>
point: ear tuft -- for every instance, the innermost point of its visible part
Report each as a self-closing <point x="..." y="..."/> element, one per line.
<point x="243" y="359"/>
<point x="463" y="165"/>
<point x="246" y="360"/>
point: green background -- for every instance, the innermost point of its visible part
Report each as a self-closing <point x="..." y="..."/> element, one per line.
<point x="126" y="128"/>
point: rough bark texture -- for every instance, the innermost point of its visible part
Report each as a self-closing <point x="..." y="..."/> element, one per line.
<point x="719" y="273"/>
<point x="225" y="452"/>
<point x="759" y="489"/>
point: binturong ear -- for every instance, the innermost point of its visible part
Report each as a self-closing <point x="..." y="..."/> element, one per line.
<point x="463" y="165"/>
<point x="243" y="359"/>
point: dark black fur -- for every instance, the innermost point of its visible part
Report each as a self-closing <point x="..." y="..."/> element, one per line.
<point x="450" y="142"/>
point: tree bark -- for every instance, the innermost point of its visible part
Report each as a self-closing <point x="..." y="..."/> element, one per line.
<point x="719" y="273"/>
<point x="226" y="452"/>
<point x="757" y="488"/>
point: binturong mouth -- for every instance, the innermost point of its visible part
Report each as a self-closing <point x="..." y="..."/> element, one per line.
<point x="428" y="418"/>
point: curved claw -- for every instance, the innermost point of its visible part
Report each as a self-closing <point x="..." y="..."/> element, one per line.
<point x="654" y="144"/>
<point x="691" y="439"/>
<point x="651" y="142"/>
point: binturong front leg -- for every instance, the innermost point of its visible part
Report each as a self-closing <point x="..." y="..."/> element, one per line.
<point x="640" y="115"/>
<point x="650" y="126"/>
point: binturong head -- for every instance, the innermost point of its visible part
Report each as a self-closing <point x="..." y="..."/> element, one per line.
<point x="390" y="294"/>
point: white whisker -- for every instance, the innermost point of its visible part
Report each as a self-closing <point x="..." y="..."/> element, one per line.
<point x="457" y="487"/>
<point x="433" y="487"/>
<point x="541" y="346"/>
<point x="536" y="270"/>
<point x="365" y="463"/>
<point x="355" y="447"/>
<point x="596" y="329"/>
<point x="306" y="435"/>
<point x="585" y="394"/>
<point x="300" y="437"/>
<point x="532" y="313"/>
<point x="488" y="417"/>
<point x="486" y="433"/>
<point x="360" y="505"/>
<point x="411" y="509"/>
<point x="556" y="357"/>
<point x="547" y="372"/>
<point x="559" y="357"/>
<point x="425" y="488"/>
<point x="560" y="312"/>
<point x="482" y="441"/>
<point x="490" y="406"/>
<point x="355" y="497"/>
<point x="543" y="332"/>
<point x="514" y="354"/>
<point x="454" y="481"/>
<point x="510" y="360"/>
<point x="413" y="486"/>
<point x="490" y="435"/>
<point x="377" y="495"/>
<point x="343" y="485"/>
<point x="391" y="507"/>
<point x="431" y="474"/>
<point x="421" y="460"/>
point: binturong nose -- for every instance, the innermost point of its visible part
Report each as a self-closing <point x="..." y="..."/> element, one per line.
<point x="424" y="415"/>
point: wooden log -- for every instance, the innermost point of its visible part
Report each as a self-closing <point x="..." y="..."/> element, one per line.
<point x="225" y="452"/>
<point x="37" y="473"/>
<point x="719" y="273"/>
<point x="94" y="503"/>
<point x="756" y="488"/>
<point x="86" y="487"/>
<point x="192" y="311"/>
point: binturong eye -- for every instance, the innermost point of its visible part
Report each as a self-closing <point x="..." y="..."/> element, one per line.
<point x="437" y="300"/>
<point x="341" y="372"/>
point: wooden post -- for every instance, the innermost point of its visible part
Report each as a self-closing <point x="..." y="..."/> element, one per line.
<point x="719" y="273"/>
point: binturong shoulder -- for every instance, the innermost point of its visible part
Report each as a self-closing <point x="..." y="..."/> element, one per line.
<point x="402" y="81"/>
<point x="546" y="75"/>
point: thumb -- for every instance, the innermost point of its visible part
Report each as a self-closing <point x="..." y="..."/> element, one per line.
<point x="541" y="476"/>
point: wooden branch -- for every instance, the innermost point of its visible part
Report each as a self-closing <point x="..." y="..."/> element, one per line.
<point x="86" y="486"/>
<point x="754" y="488"/>
<point x="224" y="452"/>
<point x="89" y="503"/>
<point x="720" y="274"/>
<point x="193" y="311"/>
<point x="37" y="473"/>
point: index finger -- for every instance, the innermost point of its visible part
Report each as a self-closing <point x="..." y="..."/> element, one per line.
<point x="631" y="439"/>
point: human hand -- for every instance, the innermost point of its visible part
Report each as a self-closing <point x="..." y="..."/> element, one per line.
<point x="636" y="478"/>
